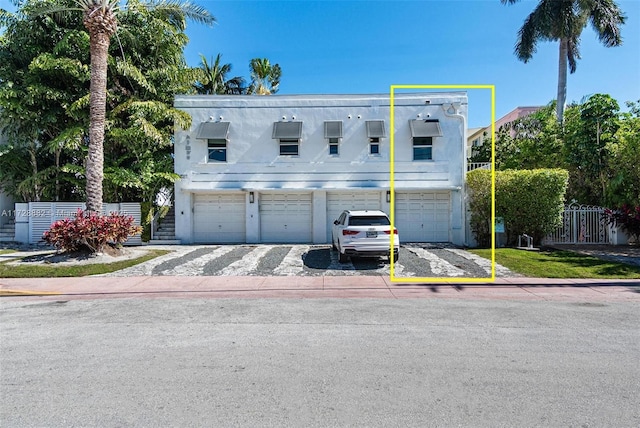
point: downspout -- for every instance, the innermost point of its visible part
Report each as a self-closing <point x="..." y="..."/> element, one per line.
<point x="453" y="110"/>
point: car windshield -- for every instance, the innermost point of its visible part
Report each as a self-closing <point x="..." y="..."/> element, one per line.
<point x="369" y="220"/>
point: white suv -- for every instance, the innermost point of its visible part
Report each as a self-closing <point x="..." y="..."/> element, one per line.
<point x="364" y="234"/>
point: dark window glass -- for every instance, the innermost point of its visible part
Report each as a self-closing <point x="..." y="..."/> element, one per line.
<point x="374" y="149"/>
<point x="217" y="150"/>
<point x="422" y="148"/>
<point x="333" y="149"/>
<point x="369" y="220"/>
<point x="422" y="153"/>
<point x="289" y="149"/>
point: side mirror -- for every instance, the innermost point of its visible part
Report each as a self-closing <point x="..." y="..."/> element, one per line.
<point x="335" y="222"/>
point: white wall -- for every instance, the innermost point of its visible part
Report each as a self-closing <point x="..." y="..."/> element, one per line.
<point x="254" y="164"/>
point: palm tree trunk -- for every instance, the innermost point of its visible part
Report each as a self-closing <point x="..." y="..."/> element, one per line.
<point x="562" y="78"/>
<point x="99" y="47"/>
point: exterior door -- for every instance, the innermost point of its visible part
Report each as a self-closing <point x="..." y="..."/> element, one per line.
<point x="423" y="216"/>
<point x="219" y="218"/>
<point x="285" y="217"/>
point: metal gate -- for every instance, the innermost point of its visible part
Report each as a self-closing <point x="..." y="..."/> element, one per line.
<point x="581" y="224"/>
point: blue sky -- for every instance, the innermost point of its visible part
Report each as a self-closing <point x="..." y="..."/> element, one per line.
<point x="352" y="46"/>
<point x="358" y="46"/>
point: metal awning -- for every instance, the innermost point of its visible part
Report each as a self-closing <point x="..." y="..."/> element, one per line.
<point x="333" y="129"/>
<point x="425" y="128"/>
<point x="213" y="130"/>
<point x="287" y="130"/>
<point x="375" y="129"/>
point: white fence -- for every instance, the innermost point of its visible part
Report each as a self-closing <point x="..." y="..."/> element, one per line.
<point x="35" y="218"/>
<point x="581" y="224"/>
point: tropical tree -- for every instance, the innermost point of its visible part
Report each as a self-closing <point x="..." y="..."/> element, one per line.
<point x="265" y="77"/>
<point x="214" y="78"/>
<point x="589" y="133"/>
<point x="563" y="21"/>
<point x="530" y="142"/>
<point x="624" y="182"/>
<point x="100" y="18"/>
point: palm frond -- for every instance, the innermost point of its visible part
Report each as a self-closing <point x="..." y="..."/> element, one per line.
<point x="178" y="10"/>
<point x="606" y="19"/>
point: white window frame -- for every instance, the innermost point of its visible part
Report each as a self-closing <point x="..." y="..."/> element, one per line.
<point x="290" y="142"/>
<point x="374" y="142"/>
<point x="422" y="146"/>
<point x="219" y="148"/>
<point x="334" y="142"/>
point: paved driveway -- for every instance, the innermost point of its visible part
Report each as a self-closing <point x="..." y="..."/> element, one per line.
<point x="416" y="260"/>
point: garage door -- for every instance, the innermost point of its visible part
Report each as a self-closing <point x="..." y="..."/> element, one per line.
<point x="340" y="201"/>
<point x="285" y="217"/>
<point x="219" y="218"/>
<point x="422" y="216"/>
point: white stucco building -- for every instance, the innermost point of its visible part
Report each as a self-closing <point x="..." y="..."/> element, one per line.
<point x="281" y="168"/>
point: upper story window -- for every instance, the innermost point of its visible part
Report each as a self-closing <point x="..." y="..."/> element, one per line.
<point x="333" y="133"/>
<point x="422" y="148"/>
<point x="375" y="131"/>
<point x="422" y="134"/>
<point x="289" y="135"/>
<point x="334" y="146"/>
<point x="217" y="149"/>
<point x="289" y="147"/>
<point x="216" y="134"/>
<point x="374" y="146"/>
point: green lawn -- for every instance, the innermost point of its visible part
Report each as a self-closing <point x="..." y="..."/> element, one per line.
<point x="8" y="271"/>
<point x="7" y="251"/>
<point x="560" y="264"/>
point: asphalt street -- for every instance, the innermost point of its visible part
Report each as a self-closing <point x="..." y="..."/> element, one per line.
<point x="318" y="363"/>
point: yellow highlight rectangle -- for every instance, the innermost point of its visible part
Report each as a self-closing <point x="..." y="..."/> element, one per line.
<point x="493" y="184"/>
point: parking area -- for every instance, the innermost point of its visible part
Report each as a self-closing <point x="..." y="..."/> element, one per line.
<point x="416" y="260"/>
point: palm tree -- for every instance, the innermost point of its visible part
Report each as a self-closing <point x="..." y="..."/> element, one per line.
<point x="100" y="18"/>
<point x="563" y="21"/>
<point x="265" y="77"/>
<point x="215" y="78"/>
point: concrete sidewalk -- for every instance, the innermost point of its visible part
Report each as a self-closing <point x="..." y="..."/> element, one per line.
<point x="577" y="290"/>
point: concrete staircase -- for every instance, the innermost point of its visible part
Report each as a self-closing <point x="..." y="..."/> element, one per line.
<point x="166" y="232"/>
<point x="8" y="231"/>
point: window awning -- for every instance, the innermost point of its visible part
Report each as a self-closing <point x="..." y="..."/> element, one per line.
<point x="375" y="129"/>
<point x="333" y="129"/>
<point x="213" y="130"/>
<point x="425" y="128"/>
<point x="286" y="130"/>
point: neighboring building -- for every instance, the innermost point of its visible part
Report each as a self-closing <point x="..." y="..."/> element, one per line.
<point x="514" y="114"/>
<point x="280" y="169"/>
<point x="475" y="136"/>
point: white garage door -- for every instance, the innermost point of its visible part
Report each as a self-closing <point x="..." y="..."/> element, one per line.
<point x="422" y="216"/>
<point x="285" y="217"/>
<point x="340" y="201"/>
<point x="219" y="218"/>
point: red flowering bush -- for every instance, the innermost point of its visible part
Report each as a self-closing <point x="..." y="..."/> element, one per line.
<point x="628" y="218"/>
<point x="89" y="231"/>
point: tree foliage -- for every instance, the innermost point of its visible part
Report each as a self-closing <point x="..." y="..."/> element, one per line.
<point x="597" y="144"/>
<point x="44" y="87"/>
<point x="563" y="21"/>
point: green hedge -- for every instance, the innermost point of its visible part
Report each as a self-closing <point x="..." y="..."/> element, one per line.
<point x="530" y="201"/>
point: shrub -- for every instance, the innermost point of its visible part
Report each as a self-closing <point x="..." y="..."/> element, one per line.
<point x="530" y="201"/>
<point x="627" y="218"/>
<point x="479" y="185"/>
<point x="89" y="231"/>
